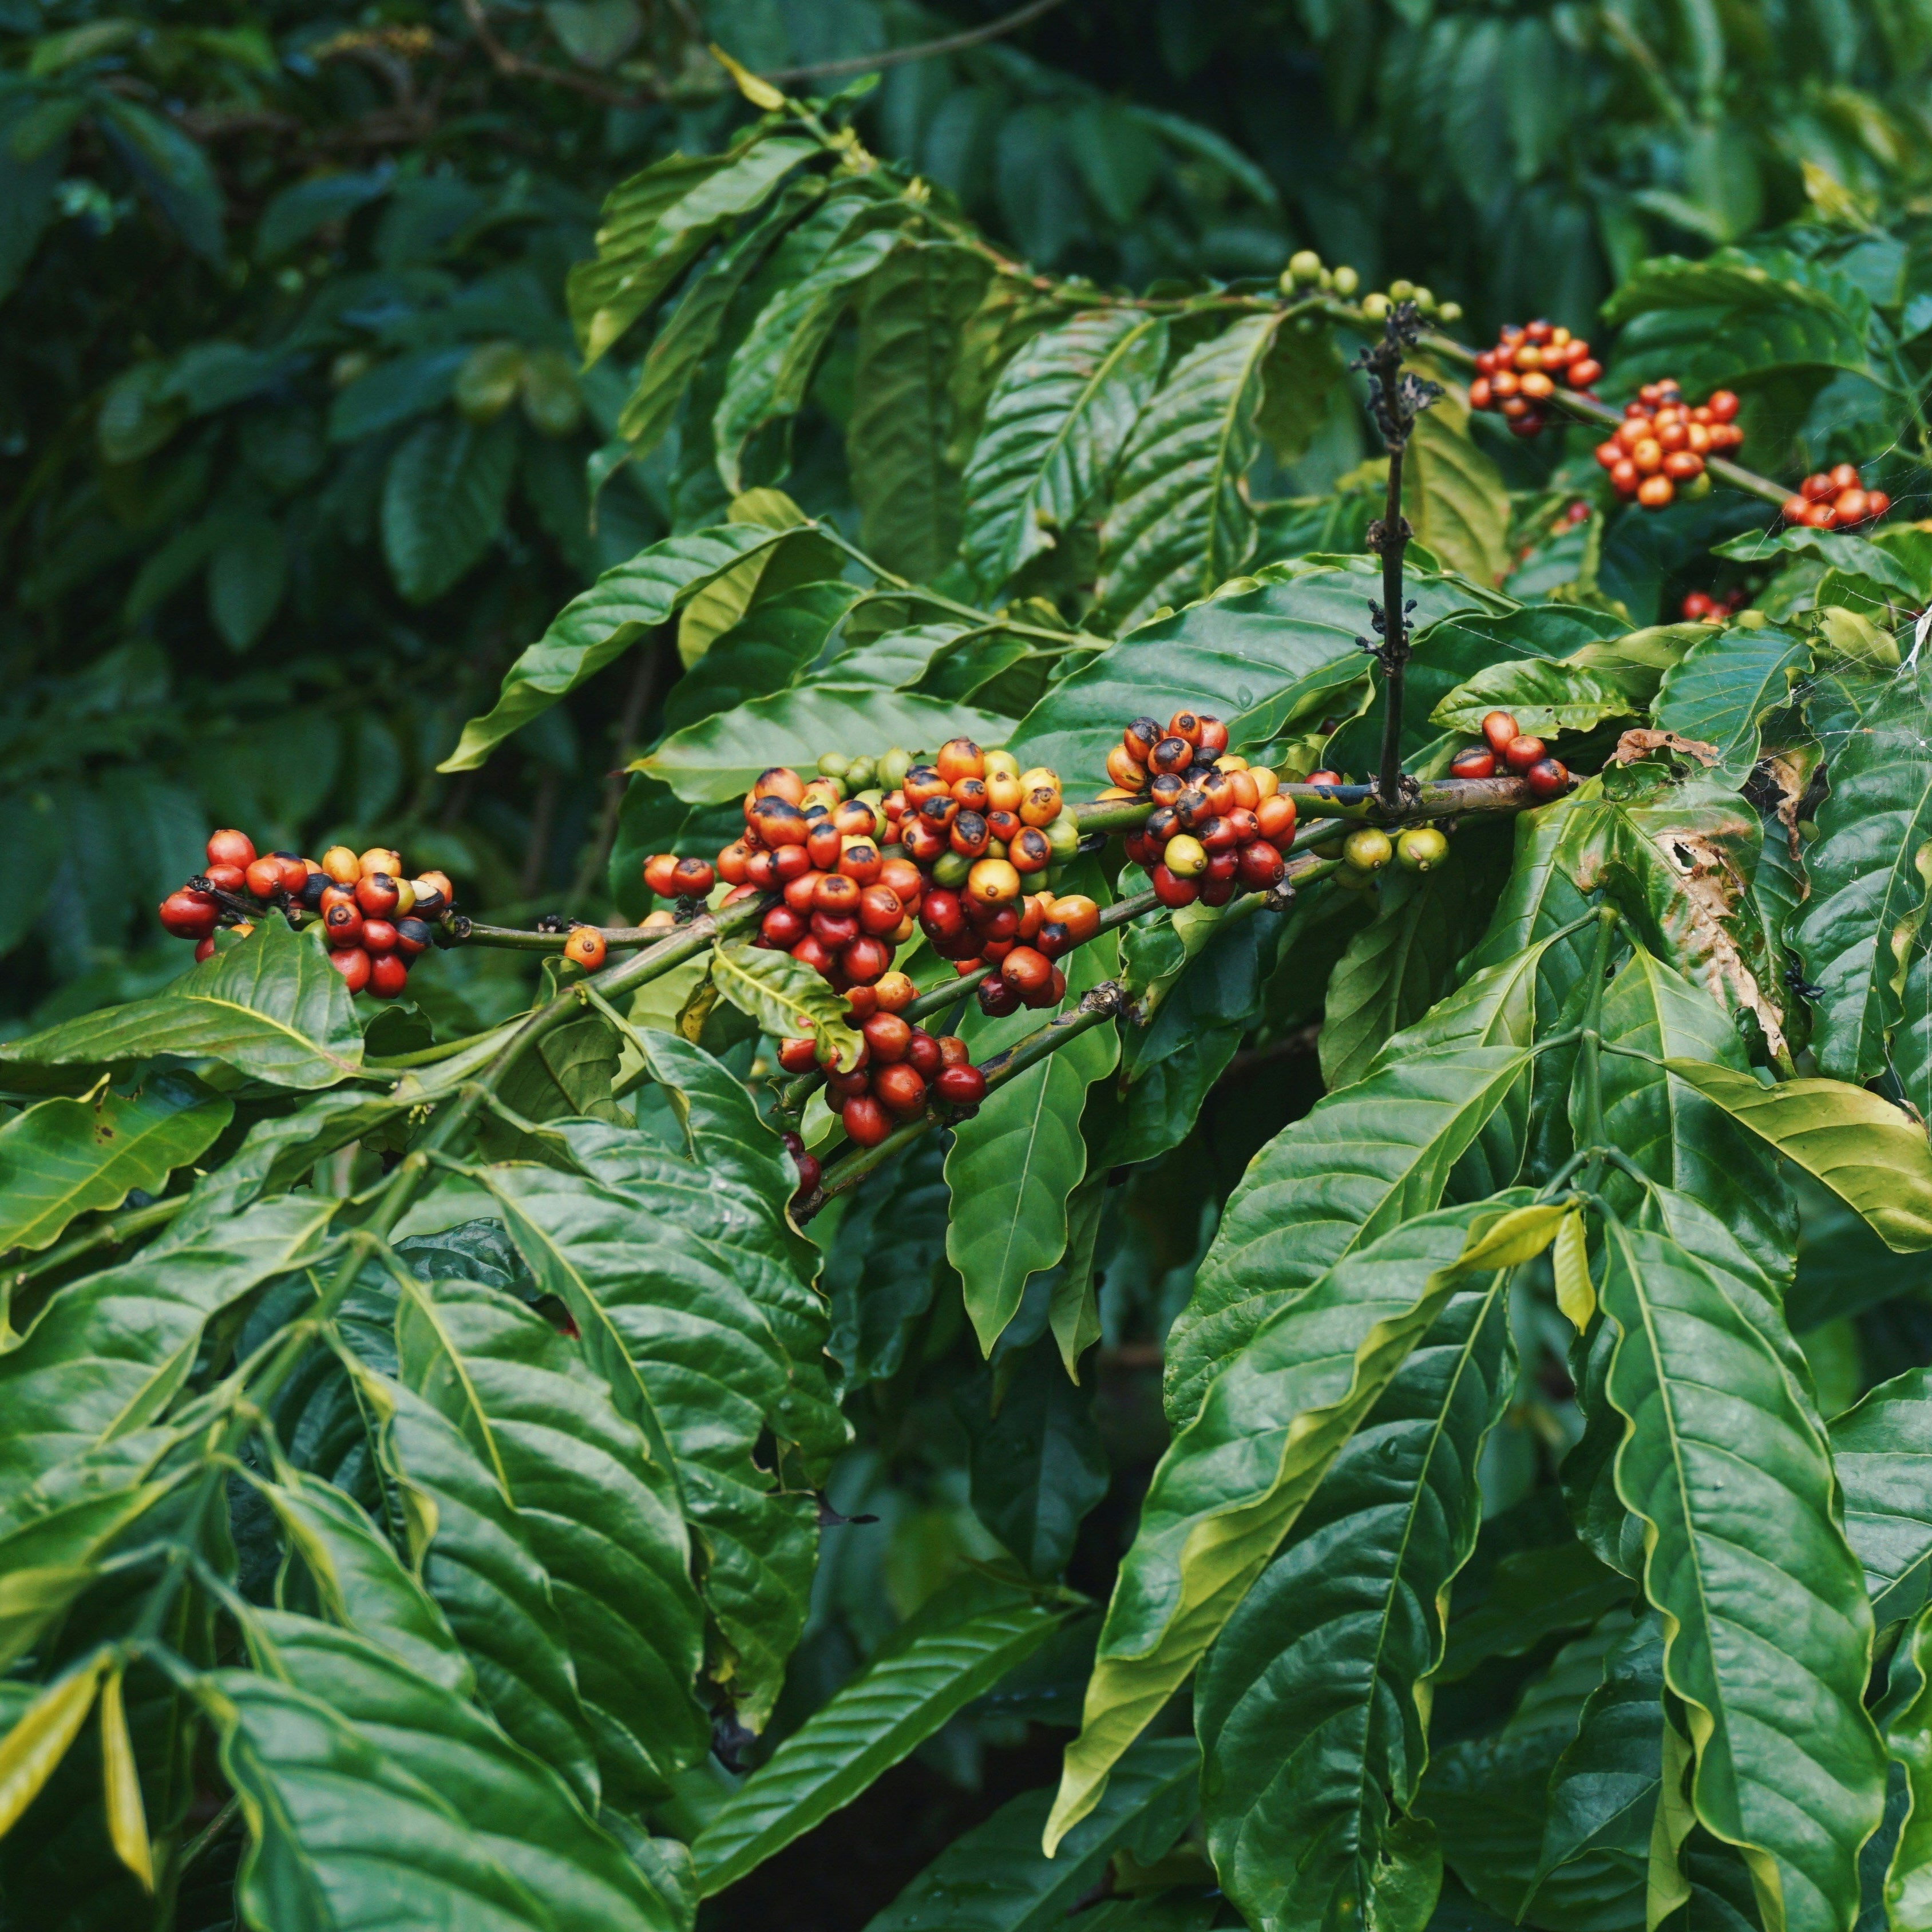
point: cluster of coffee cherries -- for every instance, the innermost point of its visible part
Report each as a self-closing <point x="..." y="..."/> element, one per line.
<point x="1835" y="499"/>
<point x="1701" y="606"/>
<point x="1020" y="940"/>
<point x="1504" y="748"/>
<point x="1658" y="452"/>
<point x="900" y="1068"/>
<point x="1217" y="825"/>
<point x="375" y="918"/>
<point x="1530" y="362"/>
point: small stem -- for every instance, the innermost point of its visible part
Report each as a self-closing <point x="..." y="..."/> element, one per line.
<point x="1429" y="798"/>
<point x="109" y="1233"/>
<point x="1395" y="540"/>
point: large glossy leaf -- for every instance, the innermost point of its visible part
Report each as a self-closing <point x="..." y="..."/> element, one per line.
<point x="770" y="371"/>
<point x="995" y="1878"/>
<point x="1181" y="523"/>
<point x="1055" y="425"/>
<point x="269" y="1006"/>
<point x="474" y="1551"/>
<point x="1723" y="688"/>
<point x="1237" y="1478"/>
<point x="916" y="1684"/>
<point x="882" y="1270"/>
<point x="1882" y="1450"/>
<point x="1452" y="493"/>
<point x="1311" y="1707"/>
<point x="658" y="220"/>
<point x="109" y="1350"/>
<point x="1865" y="879"/>
<point x="692" y="329"/>
<point x="1768" y="1630"/>
<point x="1871" y="1154"/>
<point x="899" y="441"/>
<point x="64" y="1156"/>
<point x="718" y="758"/>
<point x="625" y="603"/>
<point x="1544" y="697"/>
<point x="787" y="998"/>
<point x="602" y="1518"/>
<point x="1262" y="656"/>
<point x="370" y="1793"/>
<point x="1366" y="1158"/>
<point x="1012" y="1166"/>
<point x="443" y="500"/>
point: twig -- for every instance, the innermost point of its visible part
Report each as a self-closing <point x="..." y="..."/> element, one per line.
<point x="1395" y="401"/>
<point x="947" y="43"/>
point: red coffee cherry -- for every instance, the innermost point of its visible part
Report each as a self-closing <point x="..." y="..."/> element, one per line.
<point x="1523" y="752"/>
<point x="1260" y="866"/>
<point x="376" y="893"/>
<point x="661" y="873"/>
<point x="1214" y="738"/>
<point x="411" y="936"/>
<point x="798" y="1056"/>
<point x="1498" y="728"/>
<point x="231" y="848"/>
<point x="865" y="959"/>
<point x="962" y="1086"/>
<point x="378" y="936"/>
<point x="923" y="1053"/>
<point x="388" y="975"/>
<point x="342" y="926"/>
<point x="188" y="915"/>
<point x="899" y="1088"/>
<point x="864" y="1121"/>
<point x="264" y="877"/>
<point x="807" y="1174"/>
<point x="1027" y="970"/>
<point x="353" y="964"/>
<point x="1170" y="754"/>
<point x="1549" y="778"/>
<point x="1171" y="892"/>
<point x="889" y="1037"/>
<point x="781" y="928"/>
<point x="836" y="930"/>
<point x="1477" y="761"/>
<point x="694" y="878"/>
<point x="997" y="998"/>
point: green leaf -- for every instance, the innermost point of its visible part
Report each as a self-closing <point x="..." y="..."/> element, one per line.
<point x="1767" y="1631"/>
<point x="656" y="222"/>
<point x="443" y="502"/>
<point x="1180" y="524"/>
<point x="1453" y="494"/>
<point x="591" y="631"/>
<point x="27" y="184"/>
<point x="1881" y="1448"/>
<point x="1311" y="1707"/>
<point x="805" y="557"/>
<point x="1038" y="1465"/>
<point x="1013" y="1165"/>
<point x="776" y="639"/>
<point x="1850" y="555"/>
<point x="246" y="576"/>
<point x="1724" y="688"/>
<point x="63" y="1157"/>
<point x="1279" y="648"/>
<point x="1532" y="1594"/>
<point x="1235" y="1479"/>
<point x="474" y="1550"/>
<point x="1908" y="1890"/>
<point x="1059" y="417"/>
<point x="787" y="998"/>
<point x="873" y="1721"/>
<point x="882" y="1272"/>
<point x="1865" y="880"/>
<point x="603" y="1518"/>
<point x="716" y="760"/>
<point x="994" y="1878"/>
<point x="270" y="1006"/>
<point x="693" y="327"/>
<point x="369" y="1792"/>
<point x="170" y="167"/>
<point x="899" y="438"/>
<point x="771" y="370"/>
<point x="360" y="1585"/>
<point x="1867" y="1152"/>
<point x="1545" y="697"/>
<point x="1396" y="966"/>
<point x="108" y="1352"/>
<point x="1298" y="382"/>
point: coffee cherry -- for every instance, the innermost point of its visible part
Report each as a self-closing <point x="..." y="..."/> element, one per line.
<point x="865" y="1121"/>
<point x="962" y="1086"/>
<point x="188" y="915"/>
<point x="342" y="925"/>
<point x="1477" y="761"/>
<point x="376" y="894"/>
<point x="378" y="936"/>
<point x="264" y="877"/>
<point x="204" y="948"/>
<point x="888" y="1037"/>
<point x="778" y="782"/>
<point x="1498" y="728"/>
<point x="231" y="848"/>
<point x="808" y="1172"/>
<point x="1030" y="851"/>
<point x="895" y="992"/>
<point x="1324" y="777"/>
<point x="1654" y="492"/>
<point x="993" y="882"/>
<point x="834" y="930"/>
<point x="353" y="964"/>
<point x="381" y="859"/>
<point x="853" y="1080"/>
<point x="1519" y="754"/>
<point x="1186" y="856"/>
<point x="1420" y="849"/>
<point x="960" y="758"/>
<point x="781" y="928"/>
<point x="1547" y="778"/>
<point x="1170" y="754"/>
<point x="922" y="1053"/>
<point x="1172" y="891"/>
<point x="799" y="1055"/>
<point x="1367" y="849"/>
<point x="1275" y="817"/>
<point x="694" y="878"/>
<point x="997" y="997"/>
<point x="865" y="959"/>
<point x="1260" y="866"/>
<point x="586" y="947"/>
<point x="1053" y="940"/>
<point x="389" y="973"/>
<point x="833" y="892"/>
<point x="899" y="1089"/>
<point x="1028" y="969"/>
<point x="1214" y="738"/>
<point x="232" y="878"/>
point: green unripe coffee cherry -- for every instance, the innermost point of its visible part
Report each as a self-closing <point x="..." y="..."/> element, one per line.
<point x="862" y="775"/>
<point x="1050" y="880"/>
<point x="1367" y="849"/>
<point x="874" y="797"/>
<point x="950" y="870"/>
<point x="1186" y="858"/>
<point x="1402" y="289"/>
<point x="1449" y="312"/>
<point x="1304" y="266"/>
<point x="1424" y="298"/>
<point x="1697" y="488"/>
<point x="1420" y="849"/>
<point x="893" y="767"/>
<point x="1375" y="305"/>
<point x="1346" y="281"/>
<point x="834" y="765"/>
<point x="1352" y="880"/>
<point x="1062" y="837"/>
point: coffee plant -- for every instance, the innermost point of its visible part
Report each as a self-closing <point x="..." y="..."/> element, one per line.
<point x="1473" y="1042"/>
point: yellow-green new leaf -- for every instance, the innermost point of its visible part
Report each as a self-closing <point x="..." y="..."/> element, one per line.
<point x="1232" y="1483"/>
<point x="786" y="997"/>
<point x="31" y="1751"/>
<point x="1869" y="1153"/>
<point x="127" y="1815"/>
